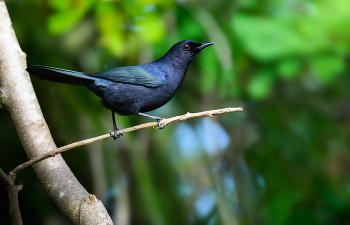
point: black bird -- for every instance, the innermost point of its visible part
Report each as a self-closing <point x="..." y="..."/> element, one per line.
<point x="132" y="90"/>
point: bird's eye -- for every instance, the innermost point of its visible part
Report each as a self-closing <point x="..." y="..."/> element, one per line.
<point x="186" y="47"/>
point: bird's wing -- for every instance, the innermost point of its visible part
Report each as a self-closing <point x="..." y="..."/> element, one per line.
<point x="130" y="74"/>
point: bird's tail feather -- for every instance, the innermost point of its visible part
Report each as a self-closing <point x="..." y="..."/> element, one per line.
<point x="59" y="75"/>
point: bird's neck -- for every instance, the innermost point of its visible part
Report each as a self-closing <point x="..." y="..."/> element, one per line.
<point x="175" y="61"/>
<point x="173" y="68"/>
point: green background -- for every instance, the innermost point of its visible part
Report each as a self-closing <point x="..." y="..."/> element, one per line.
<point x="284" y="160"/>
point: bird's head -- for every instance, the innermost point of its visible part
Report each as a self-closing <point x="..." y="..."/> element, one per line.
<point x="185" y="51"/>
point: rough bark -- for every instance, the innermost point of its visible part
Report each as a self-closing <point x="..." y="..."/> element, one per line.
<point x="12" y="192"/>
<point x="18" y="97"/>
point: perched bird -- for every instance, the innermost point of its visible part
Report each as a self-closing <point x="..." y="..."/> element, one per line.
<point x="132" y="90"/>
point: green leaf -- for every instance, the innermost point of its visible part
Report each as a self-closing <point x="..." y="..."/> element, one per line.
<point x="60" y="5"/>
<point x="247" y="4"/>
<point x="62" y="22"/>
<point x="267" y="38"/>
<point x="68" y="14"/>
<point x="288" y="69"/>
<point x="151" y="29"/>
<point x="109" y="22"/>
<point x="327" y="67"/>
<point x="260" y="85"/>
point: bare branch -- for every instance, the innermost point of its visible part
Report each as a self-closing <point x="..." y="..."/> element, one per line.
<point x="12" y="192"/>
<point x="163" y="122"/>
<point x="3" y="176"/>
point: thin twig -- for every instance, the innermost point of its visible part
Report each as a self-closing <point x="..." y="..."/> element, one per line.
<point x="163" y="122"/>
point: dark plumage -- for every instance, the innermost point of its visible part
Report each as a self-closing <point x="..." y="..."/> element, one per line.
<point x="132" y="90"/>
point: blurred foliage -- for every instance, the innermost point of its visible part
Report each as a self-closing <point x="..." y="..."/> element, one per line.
<point x="284" y="160"/>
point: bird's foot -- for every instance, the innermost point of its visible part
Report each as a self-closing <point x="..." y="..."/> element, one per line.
<point x="114" y="135"/>
<point x="158" y="121"/>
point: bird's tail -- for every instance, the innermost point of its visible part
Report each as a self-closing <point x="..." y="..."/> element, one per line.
<point x="59" y="75"/>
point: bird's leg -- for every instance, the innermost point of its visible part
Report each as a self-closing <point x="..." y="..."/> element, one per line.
<point x="154" y="117"/>
<point x="115" y="128"/>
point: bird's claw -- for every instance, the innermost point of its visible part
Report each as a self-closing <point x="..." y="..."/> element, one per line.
<point x="114" y="135"/>
<point x="158" y="121"/>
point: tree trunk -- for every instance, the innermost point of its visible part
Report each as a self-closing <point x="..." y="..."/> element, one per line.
<point x="18" y="97"/>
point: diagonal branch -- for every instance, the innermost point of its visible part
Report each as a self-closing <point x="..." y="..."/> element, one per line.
<point x="13" y="189"/>
<point x="163" y="122"/>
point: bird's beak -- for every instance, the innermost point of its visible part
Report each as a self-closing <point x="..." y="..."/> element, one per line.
<point x="204" y="45"/>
